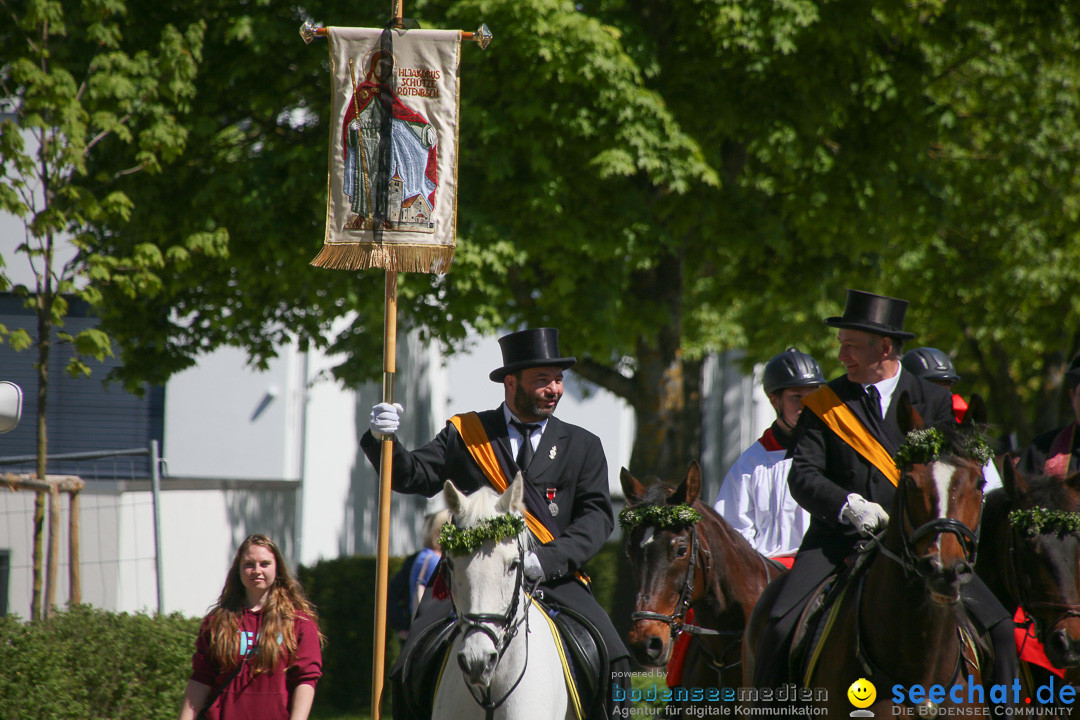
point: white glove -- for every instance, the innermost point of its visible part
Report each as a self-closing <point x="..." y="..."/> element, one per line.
<point x="867" y="517"/>
<point x="533" y="570"/>
<point x="385" y="419"/>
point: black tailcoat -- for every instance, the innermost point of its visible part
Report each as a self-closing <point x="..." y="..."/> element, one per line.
<point x="824" y="469"/>
<point x="569" y="460"/>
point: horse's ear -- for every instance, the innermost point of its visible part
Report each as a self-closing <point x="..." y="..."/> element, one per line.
<point x="691" y="486"/>
<point x="454" y="499"/>
<point x="689" y="489"/>
<point x="511" y="500"/>
<point x="1014" y="481"/>
<point x="907" y="417"/>
<point x="632" y="487"/>
<point x="976" y="411"/>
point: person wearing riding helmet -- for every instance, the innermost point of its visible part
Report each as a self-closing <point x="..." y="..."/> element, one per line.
<point x="935" y="366"/>
<point x="754" y="497"/>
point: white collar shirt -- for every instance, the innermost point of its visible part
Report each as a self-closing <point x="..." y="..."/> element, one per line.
<point x="515" y="434"/>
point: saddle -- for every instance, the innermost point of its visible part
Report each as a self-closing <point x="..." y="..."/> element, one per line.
<point x="588" y="658"/>
<point x="421" y="670"/>
<point x="815" y="620"/>
<point x="584" y="647"/>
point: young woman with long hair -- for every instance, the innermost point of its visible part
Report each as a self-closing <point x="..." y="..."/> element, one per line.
<point x="259" y="652"/>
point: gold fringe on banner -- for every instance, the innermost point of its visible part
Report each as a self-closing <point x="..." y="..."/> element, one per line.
<point x="399" y="257"/>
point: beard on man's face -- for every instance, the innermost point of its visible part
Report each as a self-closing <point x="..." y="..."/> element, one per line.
<point x="526" y="404"/>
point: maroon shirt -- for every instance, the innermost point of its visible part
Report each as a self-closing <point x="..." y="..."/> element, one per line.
<point x="264" y="696"/>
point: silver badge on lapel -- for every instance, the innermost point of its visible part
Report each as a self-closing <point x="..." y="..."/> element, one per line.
<point x="551" y="454"/>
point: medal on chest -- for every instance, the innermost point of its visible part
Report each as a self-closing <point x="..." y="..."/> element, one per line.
<point x="552" y="507"/>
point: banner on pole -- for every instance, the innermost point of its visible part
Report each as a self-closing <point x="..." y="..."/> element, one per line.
<point x="392" y="198"/>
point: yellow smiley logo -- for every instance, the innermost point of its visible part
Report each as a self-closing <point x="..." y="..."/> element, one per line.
<point x="862" y="693"/>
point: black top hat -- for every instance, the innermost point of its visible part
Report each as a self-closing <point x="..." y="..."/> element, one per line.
<point x="537" y="347"/>
<point x="872" y="313"/>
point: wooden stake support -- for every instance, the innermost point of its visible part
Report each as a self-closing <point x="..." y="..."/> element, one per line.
<point x="53" y="485"/>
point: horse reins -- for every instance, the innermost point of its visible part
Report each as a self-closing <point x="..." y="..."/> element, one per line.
<point x="907" y="559"/>
<point x="468" y="623"/>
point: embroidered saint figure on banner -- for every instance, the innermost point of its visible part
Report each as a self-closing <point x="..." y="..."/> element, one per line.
<point x="392" y="196"/>
<point x="414" y="178"/>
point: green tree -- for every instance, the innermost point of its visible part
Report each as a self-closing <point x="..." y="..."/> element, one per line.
<point x="76" y="91"/>
<point x="658" y="179"/>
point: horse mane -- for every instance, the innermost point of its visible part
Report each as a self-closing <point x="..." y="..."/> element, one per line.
<point x="656" y="491"/>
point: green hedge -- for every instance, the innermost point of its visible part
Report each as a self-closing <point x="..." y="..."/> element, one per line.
<point x="87" y="664"/>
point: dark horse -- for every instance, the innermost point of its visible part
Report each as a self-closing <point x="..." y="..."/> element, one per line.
<point x="901" y="621"/>
<point x="1029" y="556"/>
<point x="678" y="565"/>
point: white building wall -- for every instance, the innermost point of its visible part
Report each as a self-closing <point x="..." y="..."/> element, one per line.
<point x="224" y="419"/>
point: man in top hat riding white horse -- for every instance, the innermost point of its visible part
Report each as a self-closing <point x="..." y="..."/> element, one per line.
<point x="566" y="481"/>
<point x="845" y="493"/>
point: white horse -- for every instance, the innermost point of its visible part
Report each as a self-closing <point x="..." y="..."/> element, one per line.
<point x="505" y="648"/>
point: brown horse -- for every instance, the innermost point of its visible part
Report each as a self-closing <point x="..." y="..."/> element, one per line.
<point x="1036" y="565"/>
<point x="678" y="565"/>
<point x="900" y="622"/>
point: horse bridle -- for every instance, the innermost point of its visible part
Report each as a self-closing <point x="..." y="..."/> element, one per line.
<point x="677" y="620"/>
<point x="1068" y="610"/>
<point x="468" y="623"/>
<point x="908" y="559"/>
<point x="909" y="562"/>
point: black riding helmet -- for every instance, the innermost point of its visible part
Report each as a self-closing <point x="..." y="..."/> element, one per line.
<point x="791" y="368"/>
<point x="929" y="364"/>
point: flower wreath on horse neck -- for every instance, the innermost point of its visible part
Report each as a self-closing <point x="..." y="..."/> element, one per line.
<point x="925" y="445"/>
<point x="458" y="541"/>
<point x="1037" y="520"/>
<point x="669" y="517"/>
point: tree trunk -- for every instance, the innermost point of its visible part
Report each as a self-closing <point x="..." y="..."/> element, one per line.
<point x="668" y="413"/>
<point x="44" y="312"/>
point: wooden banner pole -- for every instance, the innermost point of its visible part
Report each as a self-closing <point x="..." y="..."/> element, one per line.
<point x="482" y="37"/>
<point x="386" y="461"/>
<point x="382" y="561"/>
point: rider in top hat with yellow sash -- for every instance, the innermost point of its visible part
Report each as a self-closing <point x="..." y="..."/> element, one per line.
<point x="566" y="480"/>
<point x="843" y="472"/>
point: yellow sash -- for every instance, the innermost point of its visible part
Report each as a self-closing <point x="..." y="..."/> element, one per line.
<point x="476" y="440"/>
<point x="838" y="417"/>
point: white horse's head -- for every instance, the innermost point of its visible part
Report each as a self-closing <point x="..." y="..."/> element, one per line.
<point x="487" y="584"/>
